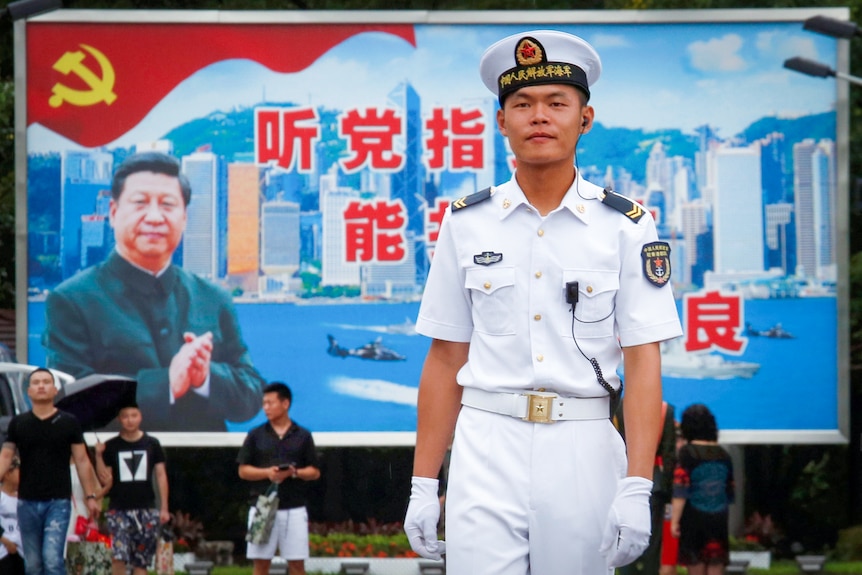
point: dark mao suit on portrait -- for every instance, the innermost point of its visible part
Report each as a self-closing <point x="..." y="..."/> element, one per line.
<point x="116" y="319"/>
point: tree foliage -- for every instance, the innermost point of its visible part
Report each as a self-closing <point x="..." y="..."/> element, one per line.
<point x="7" y="193"/>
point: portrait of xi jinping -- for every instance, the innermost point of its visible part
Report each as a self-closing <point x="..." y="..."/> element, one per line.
<point x="141" y="315"/>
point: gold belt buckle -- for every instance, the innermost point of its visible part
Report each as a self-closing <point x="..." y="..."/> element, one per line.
<point x="539" y="408"/>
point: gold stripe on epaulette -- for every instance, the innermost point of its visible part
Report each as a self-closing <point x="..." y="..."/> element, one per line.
<point x="629" y="208"/>
<point x="636" y="212"/>
<point x="471" y="200"/>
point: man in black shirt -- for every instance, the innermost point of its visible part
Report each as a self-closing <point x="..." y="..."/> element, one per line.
<point x="282" y="452"/>
<point x="45" y="439"/>
<point x="126" y="465"/>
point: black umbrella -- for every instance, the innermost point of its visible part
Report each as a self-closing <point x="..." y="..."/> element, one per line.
<point x="96" y="399"/>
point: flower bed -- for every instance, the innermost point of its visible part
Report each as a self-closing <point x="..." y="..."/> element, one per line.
<point x="359" y="545"/>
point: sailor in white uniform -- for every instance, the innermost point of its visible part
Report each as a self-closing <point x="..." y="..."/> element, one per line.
<point x="539" y="289"/>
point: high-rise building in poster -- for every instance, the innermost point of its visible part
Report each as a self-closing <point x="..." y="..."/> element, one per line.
<point x="336" y="270"/>
<point x="814" y="202"/>
<point x="83" y="174"/>
<point x="824" y="175"/>
<point x="407" y="183"/>
<point x="737" y="210"/>
<point x="97" y="238"/>
<point x="280" y="245"/>
<point x="203" y="238"/>
<point x="779" y="237"/>
<point x="243" y="224"/>
<point x="694" y="223"/>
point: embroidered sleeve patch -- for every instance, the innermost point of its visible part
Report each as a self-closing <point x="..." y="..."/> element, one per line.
<point x="656" y="263"/>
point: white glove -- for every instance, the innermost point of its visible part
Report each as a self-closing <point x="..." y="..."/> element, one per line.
<point x="423" y="514"/>
<point x="627" y="531"/>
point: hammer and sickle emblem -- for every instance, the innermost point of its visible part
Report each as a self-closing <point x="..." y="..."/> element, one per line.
<point x="101" y="89"/>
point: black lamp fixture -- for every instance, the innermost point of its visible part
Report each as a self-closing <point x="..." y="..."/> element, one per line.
<point x="832" y="27"/>
<point x="818" y="70"/>
<point x="841" y="29"/>
<point x="27" y="8"/>
<point x="809" y="67"/>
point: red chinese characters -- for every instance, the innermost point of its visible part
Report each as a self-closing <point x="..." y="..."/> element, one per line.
<point x="434" y="218"/>
<point x="286" y="136"/>
<point x="455" y="142"/>
<point x="370" y="138"/>
<point x="713" y="321"/>
<point x="374" y="231"/>
<point x="433" y="221"/>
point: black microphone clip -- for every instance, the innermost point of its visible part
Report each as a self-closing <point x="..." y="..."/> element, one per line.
<point x="572" y="293"/>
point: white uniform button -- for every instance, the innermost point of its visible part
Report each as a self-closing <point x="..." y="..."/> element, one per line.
<point x="540" y="357"/>
<point x="487" y="285"/>
<point x="538" y="275"/>
<point x="541" y="233"/>
<point x="589" y="289"/>
<point x="537" y="317"/>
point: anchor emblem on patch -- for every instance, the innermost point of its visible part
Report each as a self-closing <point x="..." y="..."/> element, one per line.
<point x="487" y="258"/>
<point x="656" y="263"/>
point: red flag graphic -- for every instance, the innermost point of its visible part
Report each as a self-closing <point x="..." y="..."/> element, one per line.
<point x="91" y="83"/>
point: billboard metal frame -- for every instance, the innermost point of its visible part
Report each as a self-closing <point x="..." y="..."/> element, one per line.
<point x="461" y="17"/>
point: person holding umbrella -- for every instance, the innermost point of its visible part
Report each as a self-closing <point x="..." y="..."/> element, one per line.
<point x="126" y="465"/>
<point x="45" y="438"/>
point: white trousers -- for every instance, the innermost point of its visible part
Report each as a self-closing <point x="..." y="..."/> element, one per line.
<point x="528" y="498"/>
<point x="289" y="535"/>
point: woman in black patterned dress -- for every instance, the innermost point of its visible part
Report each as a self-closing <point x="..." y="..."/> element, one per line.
<point x="702" y="493"/>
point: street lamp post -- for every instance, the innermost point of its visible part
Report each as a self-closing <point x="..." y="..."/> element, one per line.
<point x="812" y="68"/>
<point x="840" y="29"/>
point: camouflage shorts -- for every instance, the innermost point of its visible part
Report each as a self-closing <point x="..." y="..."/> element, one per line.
<point x="134" y="533"/>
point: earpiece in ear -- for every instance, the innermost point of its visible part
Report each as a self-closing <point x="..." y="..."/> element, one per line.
<point x="584" y="123"/>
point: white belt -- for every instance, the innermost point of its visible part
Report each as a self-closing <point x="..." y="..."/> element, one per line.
<point x="537" y="406"/>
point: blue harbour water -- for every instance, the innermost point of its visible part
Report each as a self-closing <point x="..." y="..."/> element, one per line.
<point x="796" y="385"/>
<point x="794" y="388"/>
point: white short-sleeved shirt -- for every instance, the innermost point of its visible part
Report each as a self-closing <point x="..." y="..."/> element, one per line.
<point x="9" y="522"/>
<point x="498" y="282"/>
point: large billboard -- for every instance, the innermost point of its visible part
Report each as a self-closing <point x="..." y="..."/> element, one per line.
<point x="322" y="150"/>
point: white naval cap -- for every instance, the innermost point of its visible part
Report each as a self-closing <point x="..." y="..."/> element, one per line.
<point x="539" y="57"/>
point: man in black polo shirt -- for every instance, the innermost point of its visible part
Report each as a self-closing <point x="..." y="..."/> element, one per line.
<point x="45" y="439"/>
<point x="282" y="452"/>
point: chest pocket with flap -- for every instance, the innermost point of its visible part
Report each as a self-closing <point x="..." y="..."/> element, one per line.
<point x="594" y="313"/>
<point x="492" y="290"/>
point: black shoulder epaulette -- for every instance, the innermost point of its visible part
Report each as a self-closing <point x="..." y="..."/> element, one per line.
<point x="471" y="200"/>
<point x="632" y="210"/>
